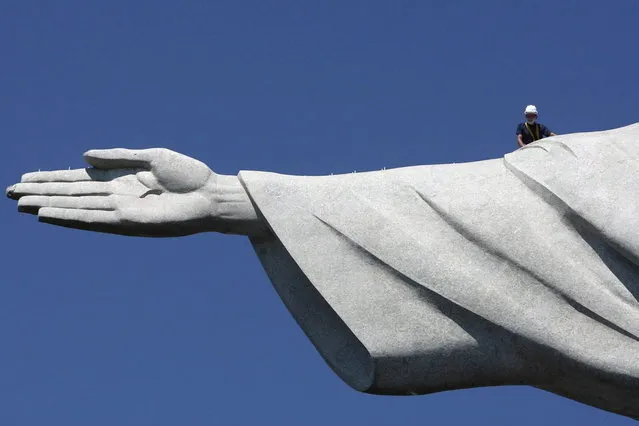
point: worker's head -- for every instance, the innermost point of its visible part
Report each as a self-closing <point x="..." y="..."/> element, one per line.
<point x="531" y="114"/>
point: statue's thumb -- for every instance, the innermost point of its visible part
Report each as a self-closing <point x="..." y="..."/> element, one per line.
<point x="149" y="180"/>
<point x="118" y="158"/>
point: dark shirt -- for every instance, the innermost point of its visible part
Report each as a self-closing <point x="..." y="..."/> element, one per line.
<point x="532" y="132"/>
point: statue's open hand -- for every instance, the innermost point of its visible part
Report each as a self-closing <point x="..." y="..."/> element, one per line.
<point x="151" y="192"/>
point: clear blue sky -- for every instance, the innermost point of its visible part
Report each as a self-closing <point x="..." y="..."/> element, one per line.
<point x="107" y="330"/>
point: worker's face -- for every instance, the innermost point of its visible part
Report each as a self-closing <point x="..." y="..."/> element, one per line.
<point x="531" y="118"/>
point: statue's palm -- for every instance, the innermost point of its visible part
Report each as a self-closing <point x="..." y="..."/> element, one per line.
<point x="150" y="192"/>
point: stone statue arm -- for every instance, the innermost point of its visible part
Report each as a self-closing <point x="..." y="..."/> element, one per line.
<point x="151" y="192"/>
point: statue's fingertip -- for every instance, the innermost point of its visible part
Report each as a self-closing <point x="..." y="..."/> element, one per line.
<point x="10" y="190"/>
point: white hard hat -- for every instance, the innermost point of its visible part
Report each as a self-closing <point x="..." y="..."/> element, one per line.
<point x="531" y="109"/>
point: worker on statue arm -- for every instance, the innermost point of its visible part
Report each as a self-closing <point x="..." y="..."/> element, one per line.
<point x="530" y="130"/>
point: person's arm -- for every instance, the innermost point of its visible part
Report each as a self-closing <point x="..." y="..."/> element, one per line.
<point x="520" y="140"/>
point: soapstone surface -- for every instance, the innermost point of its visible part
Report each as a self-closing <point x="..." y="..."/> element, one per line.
<point x="518" y="270"/>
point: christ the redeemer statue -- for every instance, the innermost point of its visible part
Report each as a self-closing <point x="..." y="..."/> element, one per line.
<point x="519" y="270"/>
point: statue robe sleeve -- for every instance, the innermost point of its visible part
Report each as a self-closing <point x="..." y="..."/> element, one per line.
<point x="509" y="271"/>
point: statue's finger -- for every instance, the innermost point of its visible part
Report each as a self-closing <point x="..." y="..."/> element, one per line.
<point x="120" y="158"/>
<point x="31" y="204"/>
<point x="74" y="218"/>
<point x="59" y="188"/>
<point x="76" y="175"/>
<point x="9" y="192"/>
